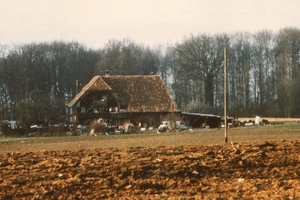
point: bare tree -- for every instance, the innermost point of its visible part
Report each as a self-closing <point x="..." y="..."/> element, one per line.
<point x="50" y="68"/>
<point x="200" y="60"/>
<point x="127" y="58"/>
<point x="263" y="70"/>
<point x="288" y="70"/>
<point x="239" y="61"/>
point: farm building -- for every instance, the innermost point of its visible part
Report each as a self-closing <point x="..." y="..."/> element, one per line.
<point x="141" y="100"/>
<point x="199" y="120"/>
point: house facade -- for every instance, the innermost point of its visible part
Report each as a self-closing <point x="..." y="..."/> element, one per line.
<point x="141" y="100"/>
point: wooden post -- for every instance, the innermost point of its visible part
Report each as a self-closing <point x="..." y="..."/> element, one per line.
<point x="225" y="97"/>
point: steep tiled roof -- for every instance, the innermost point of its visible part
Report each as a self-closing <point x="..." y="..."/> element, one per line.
<point x="95" y="84"/>
<point x="142" y="93"/>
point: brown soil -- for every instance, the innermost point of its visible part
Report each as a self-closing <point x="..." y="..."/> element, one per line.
<point x="183" y="165"/>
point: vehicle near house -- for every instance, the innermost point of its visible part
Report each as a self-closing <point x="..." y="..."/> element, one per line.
<point x="179" y="125"/>
<point x="125" y="128"/>
<point x="166" y="126"/>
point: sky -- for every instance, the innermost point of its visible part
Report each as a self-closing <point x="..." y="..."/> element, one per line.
<point x="149" y="22"/>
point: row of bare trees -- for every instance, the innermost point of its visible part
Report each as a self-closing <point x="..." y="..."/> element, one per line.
<point x="37" y="80"/>
<point x="263" y="73"/>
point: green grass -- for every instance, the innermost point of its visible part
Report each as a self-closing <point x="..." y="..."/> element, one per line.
<point x="279" y="132"/>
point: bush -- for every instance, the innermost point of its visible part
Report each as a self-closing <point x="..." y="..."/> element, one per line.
<point x="98" y="127"/>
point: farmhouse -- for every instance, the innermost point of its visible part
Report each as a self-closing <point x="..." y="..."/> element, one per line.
<point x="139" y="99"/>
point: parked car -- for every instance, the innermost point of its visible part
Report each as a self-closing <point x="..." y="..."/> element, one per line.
<point x="181" y="126"/>
<point x="166" y="126"/>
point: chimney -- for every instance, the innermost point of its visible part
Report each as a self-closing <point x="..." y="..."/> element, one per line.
<point x="107" y="73"/>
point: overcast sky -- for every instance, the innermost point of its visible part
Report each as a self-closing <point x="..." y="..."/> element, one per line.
<point x="94" y="22"/>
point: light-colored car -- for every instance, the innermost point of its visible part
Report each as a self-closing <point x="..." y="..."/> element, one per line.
<point x="166" y="126"/>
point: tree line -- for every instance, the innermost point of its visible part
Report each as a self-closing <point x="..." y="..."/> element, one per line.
<point x="37" y="80"/>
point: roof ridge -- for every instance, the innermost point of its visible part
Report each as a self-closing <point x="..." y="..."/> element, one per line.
<point x="129" y="76"/>
<point x="86" y="88"/>
<point x="103" y="82"/>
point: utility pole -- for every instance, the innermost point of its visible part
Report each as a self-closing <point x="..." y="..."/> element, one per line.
<point x="225" y="96"/>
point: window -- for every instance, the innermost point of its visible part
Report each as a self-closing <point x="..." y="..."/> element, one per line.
<point x="104" y="98"/>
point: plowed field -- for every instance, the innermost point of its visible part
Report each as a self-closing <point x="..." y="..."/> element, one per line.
<point x="259" y="163"/>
